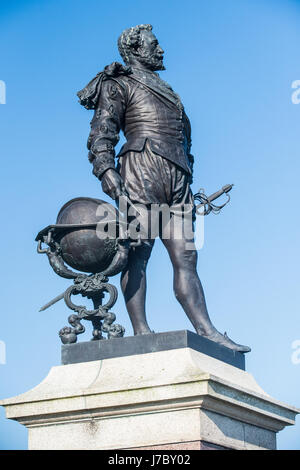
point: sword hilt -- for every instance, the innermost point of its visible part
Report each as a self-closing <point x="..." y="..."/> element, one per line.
<point x="206" y="201"/>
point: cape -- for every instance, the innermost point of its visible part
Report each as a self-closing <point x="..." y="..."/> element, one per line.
<point x="89" y="95"/>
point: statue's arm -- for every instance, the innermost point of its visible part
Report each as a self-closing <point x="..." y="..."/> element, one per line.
<point x="105" y="127"/>
<point x="189" y="145"/>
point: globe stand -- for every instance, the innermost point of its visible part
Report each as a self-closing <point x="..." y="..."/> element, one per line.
<point x="92" y="286"/>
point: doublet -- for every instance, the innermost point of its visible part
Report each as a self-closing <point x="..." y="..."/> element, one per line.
<point x="145" y="108"/>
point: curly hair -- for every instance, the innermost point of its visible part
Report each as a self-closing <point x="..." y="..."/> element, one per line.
<point x="131" y="39"/>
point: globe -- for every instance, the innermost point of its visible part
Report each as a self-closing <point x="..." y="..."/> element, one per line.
<point x="87" y="249"/>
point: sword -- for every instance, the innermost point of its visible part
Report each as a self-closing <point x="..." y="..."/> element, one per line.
<point x="206" y="201"/>
<point x="219" y="193"/>
<point x="52" y="302"/>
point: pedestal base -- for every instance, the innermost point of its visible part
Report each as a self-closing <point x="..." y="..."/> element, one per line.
<point x="134" y="345"/>
<point x="174" y="399"/>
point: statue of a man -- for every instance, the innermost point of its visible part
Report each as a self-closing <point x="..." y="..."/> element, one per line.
<point x="154" y="167"/>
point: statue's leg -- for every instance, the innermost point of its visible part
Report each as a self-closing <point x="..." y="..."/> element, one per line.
<point x="187" y="286"/>
<point x="189" y="292"/>
<point x="133" y="284"/>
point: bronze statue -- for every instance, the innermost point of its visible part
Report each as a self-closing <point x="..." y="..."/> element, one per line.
<point x="154" y="166"/>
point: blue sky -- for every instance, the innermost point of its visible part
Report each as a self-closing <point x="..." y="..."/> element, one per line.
<point x="233" y="64"/>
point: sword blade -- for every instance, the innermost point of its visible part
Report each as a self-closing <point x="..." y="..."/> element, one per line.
<point x="53" y="301"/>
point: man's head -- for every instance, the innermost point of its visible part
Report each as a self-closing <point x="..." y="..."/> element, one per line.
<point x="138" y="45"/>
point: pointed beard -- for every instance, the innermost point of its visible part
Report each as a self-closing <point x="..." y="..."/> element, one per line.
<point x="152" y="62"/>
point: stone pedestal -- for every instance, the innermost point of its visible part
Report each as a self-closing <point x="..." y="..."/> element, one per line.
<point x="178" y="398"/>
